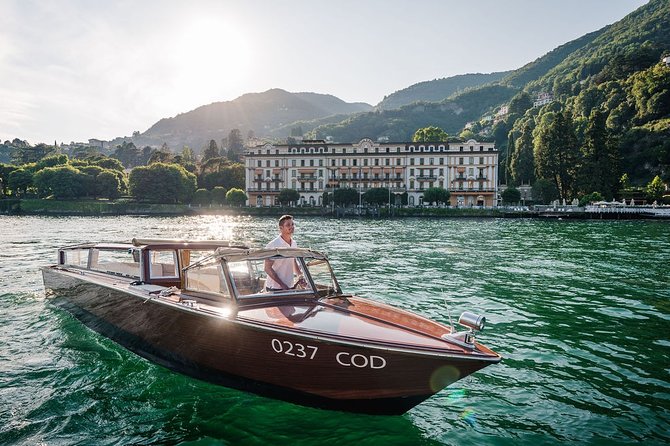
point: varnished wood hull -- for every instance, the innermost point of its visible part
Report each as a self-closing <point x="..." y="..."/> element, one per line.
<point x="278" y="362"/>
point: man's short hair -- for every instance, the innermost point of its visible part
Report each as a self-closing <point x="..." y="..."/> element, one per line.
<point x="283" y="218"/>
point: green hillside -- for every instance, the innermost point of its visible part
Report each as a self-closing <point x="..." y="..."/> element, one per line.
<point x="438" y="89"/>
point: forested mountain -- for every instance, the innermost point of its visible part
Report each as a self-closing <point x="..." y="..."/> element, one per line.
<point x="438" y="89"/>
<point x="400" y="124"/>
<point x="259" y="113"/>
<point x="610" y="82"/>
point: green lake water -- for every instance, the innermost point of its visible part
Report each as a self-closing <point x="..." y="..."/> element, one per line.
<point x="580" y="312"/>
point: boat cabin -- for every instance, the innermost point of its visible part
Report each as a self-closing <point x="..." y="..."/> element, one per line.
<point x="211" y="270"/>
<point x="149" y="261"/>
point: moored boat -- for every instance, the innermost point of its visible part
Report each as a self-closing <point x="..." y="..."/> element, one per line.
<point x="202" y="308"/>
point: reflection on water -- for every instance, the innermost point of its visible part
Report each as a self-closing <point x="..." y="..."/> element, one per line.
<point x="579" y="311"/>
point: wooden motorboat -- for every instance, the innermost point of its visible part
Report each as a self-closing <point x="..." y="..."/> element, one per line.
<point x="202" y="308"/>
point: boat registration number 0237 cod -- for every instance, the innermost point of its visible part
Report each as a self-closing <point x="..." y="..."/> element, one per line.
<point x="294" y="349"/>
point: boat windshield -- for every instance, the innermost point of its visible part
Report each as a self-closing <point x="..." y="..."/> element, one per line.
<point x="249" y="277"/>
<point x="322" y="276"/>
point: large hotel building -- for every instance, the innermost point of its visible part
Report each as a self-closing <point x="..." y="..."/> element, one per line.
<point x="469" y="170"/>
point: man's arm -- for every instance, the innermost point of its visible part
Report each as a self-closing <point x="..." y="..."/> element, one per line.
<point x="273" y="274"/>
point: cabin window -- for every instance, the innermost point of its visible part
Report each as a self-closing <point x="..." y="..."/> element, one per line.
<point x="75" y="257"/>
<point x="116" y="261"/>
<point x="206" y="278"/>
<point x="163" y="264"/>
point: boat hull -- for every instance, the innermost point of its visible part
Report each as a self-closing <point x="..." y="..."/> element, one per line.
<point x="294" y="366"/>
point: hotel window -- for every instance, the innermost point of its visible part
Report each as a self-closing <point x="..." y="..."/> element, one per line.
<point x="344" y="162"/>
<point x="267" y="163"/>
<point x="365" y="162"/>
<point x="267" y="174"/>
<point x="365" y="150"/>
<point x="302" y="163"/>
<point x="411" y="172"/>
<point x="388" y="162"/>
<point x="431" y="161"/>
<point x="460" y="161"/>
<point x="397" y="161"/>
<point x="276" y="163"/>
<point x="344" y="150"/>
<point x="320" y="163"/>
<point x="411" y="161"/>
<point x="320" y="172"/>
<point x="260" y="163"/>
<point x="421" y="161"/>
<point x="376" y="161"/>
<point x="388" y="150"/>
<point x="376" y="149"/>
<point x="441" y="161"/>
<point x="354" y="163"/>
<point x="332" y="162"/>
<point x="481" y="160"/>
<point x="311" y="163"/>
<point x="472" y="160"/>
<point x="293" y="173"/>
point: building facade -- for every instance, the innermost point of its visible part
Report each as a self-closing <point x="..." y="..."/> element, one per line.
<point x="469" y="170"/>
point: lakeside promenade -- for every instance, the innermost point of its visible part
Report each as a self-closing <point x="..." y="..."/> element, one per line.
<point x="121" y="207"/>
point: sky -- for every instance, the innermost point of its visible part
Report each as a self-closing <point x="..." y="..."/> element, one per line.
<point x="71" y="70"/>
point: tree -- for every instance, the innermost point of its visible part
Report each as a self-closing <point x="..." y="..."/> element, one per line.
<point x="235" y="145"/>
<point x="377" y="196"/>
<point x="345" y="196"/>
<point x="555" y="151"/>
<point x="522" y="162"/>
<point x="655" y="189"/>
<point x="430" y="134"/>
<point x="590" y="198"/>
<point x="63" y="182"/>
<point x="511" y="195"/>
<point x="202" y="196"/>
<point x="5" y="170"/>
<point x="544" y="191"/>
<point x="25" y="154"/>
<point x="226" y="175"/>
<point x="108" y="185"/>
<point x="236" y="197"/>
<point x="211" y="152"/>
<point x="219" y="195"/>
<point x="520" y="103"/>
<point x="162" y="183"/>
<point x="160" y="156"/>
<point x="436" y="195"/>
<point x="127" y="153"/>
<point x="600" y="159"/>
<point x="19" y="181"/>
<point x="288" y="196"/>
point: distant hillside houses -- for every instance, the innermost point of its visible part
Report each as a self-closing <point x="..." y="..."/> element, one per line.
<point x="666" y="60"/>
<point x="543" y="99"/>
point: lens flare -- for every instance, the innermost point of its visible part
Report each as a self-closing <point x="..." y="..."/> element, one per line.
<point x="469" y="416"/>
<point x="444" y="376"/>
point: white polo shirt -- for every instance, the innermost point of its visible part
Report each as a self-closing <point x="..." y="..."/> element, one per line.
<point x="283" y="267"/>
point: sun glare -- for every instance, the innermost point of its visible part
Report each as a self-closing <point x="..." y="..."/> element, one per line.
<point x="211" y="56"/>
